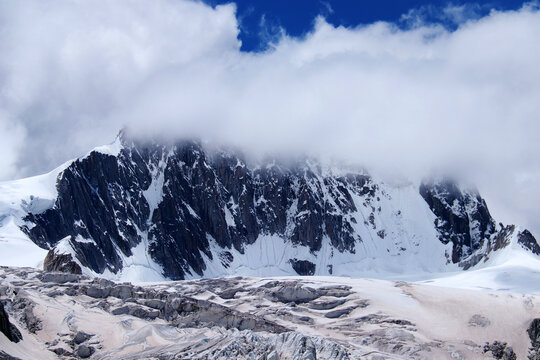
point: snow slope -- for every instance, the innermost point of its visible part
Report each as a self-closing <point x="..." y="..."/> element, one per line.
<point x="512" y="269"/>
<point x="17" y="198"/>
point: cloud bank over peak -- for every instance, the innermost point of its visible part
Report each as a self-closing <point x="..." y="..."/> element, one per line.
<point x="387" y="97"/>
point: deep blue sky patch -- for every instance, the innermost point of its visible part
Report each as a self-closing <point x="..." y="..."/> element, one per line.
<point x="262" y="20"/>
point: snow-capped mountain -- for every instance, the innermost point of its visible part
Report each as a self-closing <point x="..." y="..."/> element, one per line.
<point x="143" y="210"/>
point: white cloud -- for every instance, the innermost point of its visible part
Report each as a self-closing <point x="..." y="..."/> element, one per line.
<point x="12" y="137"/>
<point x="412" y="100"/>
<point x="451" y="14"/>
<point x="66" y="65"/>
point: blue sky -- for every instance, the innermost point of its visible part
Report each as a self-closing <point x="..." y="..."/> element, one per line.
<point x="262" y="20"/>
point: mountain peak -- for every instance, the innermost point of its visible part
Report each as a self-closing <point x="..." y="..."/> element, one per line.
<point x="149" y="210"/>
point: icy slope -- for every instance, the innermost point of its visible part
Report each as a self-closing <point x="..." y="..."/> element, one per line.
<point x="18" y="198"/>
<point x="514" y="268"/>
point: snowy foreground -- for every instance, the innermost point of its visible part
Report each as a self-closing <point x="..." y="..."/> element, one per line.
<point x="64" y="316"/>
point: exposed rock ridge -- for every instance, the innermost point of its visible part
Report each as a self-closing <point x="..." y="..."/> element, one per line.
<point x="462" y="216"/>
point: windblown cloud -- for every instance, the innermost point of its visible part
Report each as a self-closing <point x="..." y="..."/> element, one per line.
<point x="74" y="72"/>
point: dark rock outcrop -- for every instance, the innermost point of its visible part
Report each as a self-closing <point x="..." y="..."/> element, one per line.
<point x="84" y="351"/>
<point x="462" y="216"/>
<point x="527" y="240"/>
<point x="61" y="262"/>
<point x="500" y="350"/>
<point x="7" y="328"/>
<point x="534" y="335"/>
<point x="303" y="267"/>
<point x="81" y="337"/>
<point x="534" y="332"/>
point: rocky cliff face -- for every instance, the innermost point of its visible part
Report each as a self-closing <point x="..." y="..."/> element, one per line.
<point x="190" y="211"/>
<point x="462" y="217"/>
<point x="7" y="328"/>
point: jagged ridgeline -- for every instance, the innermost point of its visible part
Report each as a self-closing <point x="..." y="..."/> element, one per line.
<point x="181" y="210"/>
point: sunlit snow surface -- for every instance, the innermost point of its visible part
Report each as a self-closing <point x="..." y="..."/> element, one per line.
<point x="513" y="269"/>
<point x="35" y="194"/>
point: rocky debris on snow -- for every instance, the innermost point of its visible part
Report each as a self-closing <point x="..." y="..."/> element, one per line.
<point x="234" y="344"/>
<point x="500" y="350"/>
<point x="479" y="320"/>
<point x="26" y="306"/>
<point x="84" y="351"/>
<point x="59" y="277"/>
<point x="287" y="292"/>
<point x="60" y="351"/>
<point x="338" y="313"/>
<point x="296" y="293"/>
<point x="81" y="337"/>
<point x="382" y="319"/>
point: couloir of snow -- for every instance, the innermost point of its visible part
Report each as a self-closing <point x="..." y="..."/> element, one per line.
<point x="139" y="267"/>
